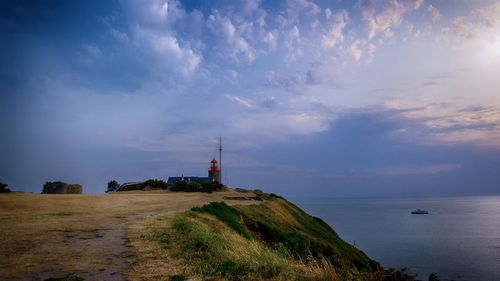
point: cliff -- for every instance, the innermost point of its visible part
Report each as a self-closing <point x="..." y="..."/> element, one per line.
<point x="274" y="240"/>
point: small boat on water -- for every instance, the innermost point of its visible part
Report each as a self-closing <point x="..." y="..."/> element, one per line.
<point x="420" y="212"/>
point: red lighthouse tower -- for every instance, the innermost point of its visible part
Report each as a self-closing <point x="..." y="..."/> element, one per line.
<point x="214" y="171"/>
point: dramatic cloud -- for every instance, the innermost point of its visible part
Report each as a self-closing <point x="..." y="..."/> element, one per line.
<point x="152" y="22"/>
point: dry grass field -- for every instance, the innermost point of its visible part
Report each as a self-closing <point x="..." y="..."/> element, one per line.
<point x="54" y="236"/>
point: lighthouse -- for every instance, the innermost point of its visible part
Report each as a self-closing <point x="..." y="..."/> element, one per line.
<point x="214" y="171"/>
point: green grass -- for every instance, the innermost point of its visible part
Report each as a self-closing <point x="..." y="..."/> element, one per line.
<point x="224" y="213"/>
<point x="280" y="222"/>
<point x="274" y="240"/>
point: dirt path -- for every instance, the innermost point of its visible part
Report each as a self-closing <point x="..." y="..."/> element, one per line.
<point x="109" y="256"/>
<point x="80" y="237"/>
<point x="111" y="251"/>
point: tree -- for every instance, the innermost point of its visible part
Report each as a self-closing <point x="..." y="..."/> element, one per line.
<point x="112" y="186"/>
<point x="3" y="188"/>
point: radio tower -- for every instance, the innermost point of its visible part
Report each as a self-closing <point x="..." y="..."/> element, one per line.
<point x="220" y="157"/>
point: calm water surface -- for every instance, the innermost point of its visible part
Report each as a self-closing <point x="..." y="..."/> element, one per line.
<point x="459" y="239"/>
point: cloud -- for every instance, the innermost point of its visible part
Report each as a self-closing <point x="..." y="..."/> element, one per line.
<point x="271" y="39"/>
<point x="442" y="123"/>
<point x="489" y="16"/>
<point x="252" y="9"/>
<point x="463" y="27"/>
<point x="171" y="54"/>
<point x="92" y="50"/>
<point x="417" y="4"/>
<point x="354" y="51"/>
<point x="370" y="53"/>
<point x="238" y="46"/>
<point x="416" y="169"/>
<point x="338" y="21"/>
<point x="391" y="16"/>
<point x="239" y="100"/>
<point x="118" y="35"/>
<point x="156" y="12"/>
<point x="436" y="15"/>
<point x="294" y="8"/>
<point x="89" y="54"/>
<point x="152" y="24"/>
<point x="480" y="23"/>
<point x="293" y="43"/>
<point x="109" y="22"/>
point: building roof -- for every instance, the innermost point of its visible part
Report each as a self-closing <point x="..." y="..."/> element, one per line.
<point x="189" y="179"/>
<point x="213" y="161"/>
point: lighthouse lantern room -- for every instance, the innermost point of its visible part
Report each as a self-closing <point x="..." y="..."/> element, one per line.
<point x="214" y="171"/>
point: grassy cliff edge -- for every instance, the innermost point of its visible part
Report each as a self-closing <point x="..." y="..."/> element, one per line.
<point x="274" y="240"/>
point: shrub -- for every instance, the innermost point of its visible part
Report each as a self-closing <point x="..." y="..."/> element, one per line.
<point x="3" y="188"/>
<point x="179" y="186"/>
<point x="196" y="186"/>
<point x="211" y="186"/>
<point x="154" y="183"/>
<point x="193" y="187"/>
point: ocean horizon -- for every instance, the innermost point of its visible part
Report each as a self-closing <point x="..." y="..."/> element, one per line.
<point x="458" y="240"/>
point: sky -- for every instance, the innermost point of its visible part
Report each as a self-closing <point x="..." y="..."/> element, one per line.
<point x="369" y="98"/>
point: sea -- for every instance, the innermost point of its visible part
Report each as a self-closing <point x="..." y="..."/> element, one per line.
<point x="458" y="240"/>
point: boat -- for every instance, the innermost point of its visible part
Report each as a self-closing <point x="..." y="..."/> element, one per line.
<point x="420" y="212"/>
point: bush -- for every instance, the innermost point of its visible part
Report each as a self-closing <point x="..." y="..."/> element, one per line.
<point x="196" y="186"/>
<point x="211" y="186"/>
<point x="112" y="186"/>
<point x="154" y="183"/>
<point x="3" y="188"/>
<point x="193" y="187"/>
<point x="179" y="186"/>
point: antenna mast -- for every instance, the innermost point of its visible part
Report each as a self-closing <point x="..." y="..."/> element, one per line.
<point x="220" y="157"/>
